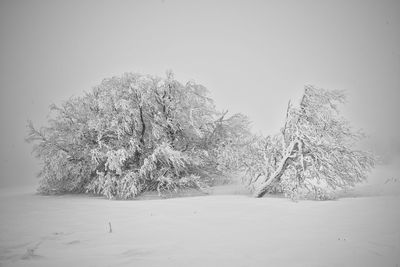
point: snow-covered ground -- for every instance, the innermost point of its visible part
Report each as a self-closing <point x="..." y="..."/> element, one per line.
<point x="227" y="228"/>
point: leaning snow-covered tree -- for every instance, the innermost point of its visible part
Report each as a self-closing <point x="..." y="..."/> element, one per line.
<point x="132" y="134"/>
<point x="312" y="155"/>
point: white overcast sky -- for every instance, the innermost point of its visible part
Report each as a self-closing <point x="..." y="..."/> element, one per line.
<point x="252" y="55"/>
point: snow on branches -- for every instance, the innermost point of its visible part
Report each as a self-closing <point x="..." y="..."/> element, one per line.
<point x="132" y="134"/>
<point x="313" y="154"/>
<point x="138" y="133"/>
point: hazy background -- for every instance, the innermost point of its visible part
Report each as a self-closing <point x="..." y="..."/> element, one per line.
<point x="252" y="55"/>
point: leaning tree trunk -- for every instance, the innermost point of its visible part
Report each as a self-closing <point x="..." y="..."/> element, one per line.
<point x="263" y="188"/>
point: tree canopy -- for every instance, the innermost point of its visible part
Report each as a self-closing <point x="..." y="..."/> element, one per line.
<point x="313" y="154"/>
<point x="138" y="133"/>
<point x="135" y="133"/>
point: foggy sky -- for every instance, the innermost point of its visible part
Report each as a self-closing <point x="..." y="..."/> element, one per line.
<point x="252" y="55"/>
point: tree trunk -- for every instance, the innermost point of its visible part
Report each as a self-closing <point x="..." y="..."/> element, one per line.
<point x="263" y="188"/>
<point x="143" y="127"/>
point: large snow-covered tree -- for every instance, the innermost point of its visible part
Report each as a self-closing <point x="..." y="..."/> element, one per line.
<point x="313" y="154"/>
<point x="132" y="134"/>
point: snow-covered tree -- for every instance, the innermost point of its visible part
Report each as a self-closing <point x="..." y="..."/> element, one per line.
<point x="132" y="134"/>
<point x="312" y="155"/>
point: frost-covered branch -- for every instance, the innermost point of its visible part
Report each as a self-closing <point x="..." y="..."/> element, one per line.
<point x="316" y="153"/>
<point x="132" y="134"/>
